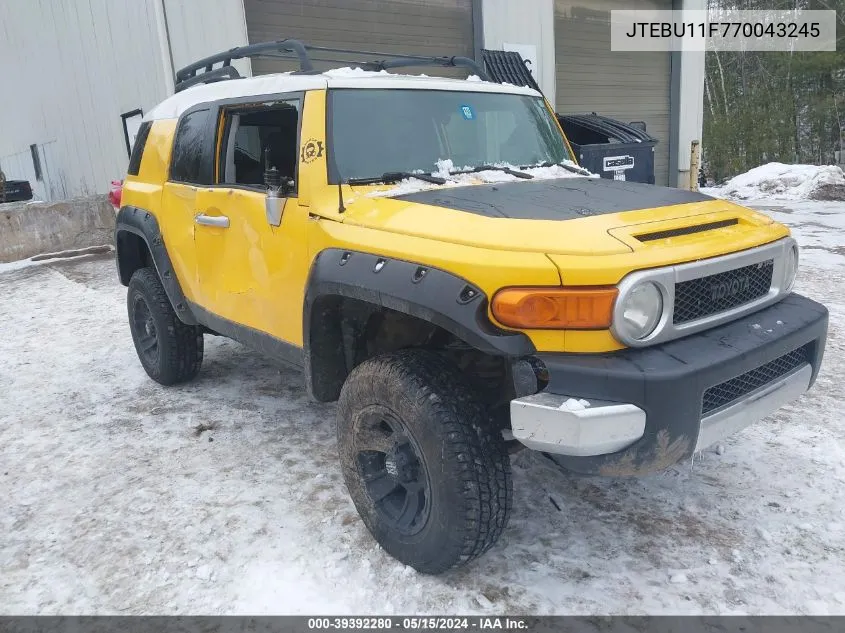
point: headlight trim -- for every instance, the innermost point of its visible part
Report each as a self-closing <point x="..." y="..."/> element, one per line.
<point x="652" y="315"/>
<point x="790" y="268"/>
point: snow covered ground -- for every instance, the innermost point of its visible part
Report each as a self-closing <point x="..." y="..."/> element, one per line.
<point x="224" y="496"/>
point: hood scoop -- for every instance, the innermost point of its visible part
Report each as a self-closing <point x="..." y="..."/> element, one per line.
<point x="686" y="230"/>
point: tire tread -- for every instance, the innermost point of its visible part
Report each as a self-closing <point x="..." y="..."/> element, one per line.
<point x="470" y="442"/>
<point x="180" y="345"/>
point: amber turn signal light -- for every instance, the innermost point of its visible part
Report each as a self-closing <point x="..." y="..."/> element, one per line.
<point x="582" y="308"/>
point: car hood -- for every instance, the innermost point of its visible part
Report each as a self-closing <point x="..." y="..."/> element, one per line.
<point x="555" y="199"/>
<point x="568" y="216"/>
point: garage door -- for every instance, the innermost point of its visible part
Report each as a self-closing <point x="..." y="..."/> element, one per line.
<point x="422" y="27"/>
<point x="626" y="86"/>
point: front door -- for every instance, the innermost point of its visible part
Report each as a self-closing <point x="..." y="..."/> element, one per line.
<point x="248" y="267"/>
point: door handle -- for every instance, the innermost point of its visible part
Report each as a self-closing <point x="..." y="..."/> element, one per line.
<point x="220" y="221"/>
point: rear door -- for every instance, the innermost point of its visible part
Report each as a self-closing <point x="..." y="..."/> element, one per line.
<point x="191" y="167"/>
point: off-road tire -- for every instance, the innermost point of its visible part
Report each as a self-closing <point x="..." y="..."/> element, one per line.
<point x="467" y="463"/>
<point x="179" y="346"/>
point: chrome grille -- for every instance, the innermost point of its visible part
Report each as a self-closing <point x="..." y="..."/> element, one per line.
<point x="704" y="296"/>
<point x="735" y="388"/>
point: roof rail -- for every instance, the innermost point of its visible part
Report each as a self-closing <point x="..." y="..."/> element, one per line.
<point x="294" y="49"/>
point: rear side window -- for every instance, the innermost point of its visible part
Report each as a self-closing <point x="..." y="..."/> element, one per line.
<point x="191" y="158"/>
<point x="138" y="148"/>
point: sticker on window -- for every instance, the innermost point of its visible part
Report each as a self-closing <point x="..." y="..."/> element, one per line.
<point x="467" y="113"/>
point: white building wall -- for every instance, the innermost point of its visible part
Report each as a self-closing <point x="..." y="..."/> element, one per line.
<point x="520" y="23"/>
<point x="199" y="28"/>
<point x="71" y="69"/>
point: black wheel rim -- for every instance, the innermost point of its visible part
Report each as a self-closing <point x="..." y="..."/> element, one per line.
<point x="394" y="472"/>
<point x="146" y="333"/>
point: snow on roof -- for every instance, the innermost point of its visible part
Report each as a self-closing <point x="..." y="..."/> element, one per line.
<point x="359" y="78"/>
<point x="265" y="85"/>
<point x="175" y="105"/>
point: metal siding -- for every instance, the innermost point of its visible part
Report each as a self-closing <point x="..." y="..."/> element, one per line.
<point x="71" y="69"/>
<point x="425" y="27"/>
<point x="197" y="31"/>
<point x="589" y="77"/>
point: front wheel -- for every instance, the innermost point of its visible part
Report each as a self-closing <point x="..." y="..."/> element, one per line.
<point x="428" y="473"/>
<point x="169" y="350"/>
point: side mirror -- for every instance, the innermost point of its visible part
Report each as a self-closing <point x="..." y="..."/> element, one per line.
<point x="278" y="188"/>
<point x="274" y="208"/>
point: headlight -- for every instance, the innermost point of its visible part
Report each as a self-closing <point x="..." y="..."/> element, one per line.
<point x="640" y="312"/>
<point x="790" y="268"/>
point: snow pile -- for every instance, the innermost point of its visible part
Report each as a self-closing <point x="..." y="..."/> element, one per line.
<point x="10" y="206"/>
<point x="573" y="404"/>
<point x="445" y="167"/>
<point x="785" y="182"/>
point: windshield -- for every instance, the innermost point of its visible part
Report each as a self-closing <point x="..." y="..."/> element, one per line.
<point x="374" y="132"/>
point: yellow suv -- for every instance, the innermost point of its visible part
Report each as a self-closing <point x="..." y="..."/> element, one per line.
<point x="431" y="255"/>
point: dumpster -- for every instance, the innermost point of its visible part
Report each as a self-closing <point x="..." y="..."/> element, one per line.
<point x="611" y="148"/>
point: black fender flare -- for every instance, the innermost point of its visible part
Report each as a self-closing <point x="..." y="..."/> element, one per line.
<point x="419" y="290"/>
<point x="142" y="223"/>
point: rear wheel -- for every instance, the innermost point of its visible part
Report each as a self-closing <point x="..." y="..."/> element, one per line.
<point x="169" y="350"/>
<point x="428" y="473"/>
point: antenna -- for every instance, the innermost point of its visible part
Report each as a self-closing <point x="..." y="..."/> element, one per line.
<point x="340" y="207"/>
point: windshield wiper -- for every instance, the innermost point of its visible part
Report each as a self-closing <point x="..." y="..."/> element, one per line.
<point x="391" y="177"/>
<point x="573" y="168"/>
<point x="507" y="170"/>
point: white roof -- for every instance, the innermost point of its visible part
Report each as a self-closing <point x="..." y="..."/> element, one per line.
<point x="174" y="106"/>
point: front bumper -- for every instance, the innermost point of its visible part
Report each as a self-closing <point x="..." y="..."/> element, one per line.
<point x="650" y="408"/>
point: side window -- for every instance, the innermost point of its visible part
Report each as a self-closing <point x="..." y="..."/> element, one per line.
<point x="191" y="160"/>
<point x="256" y="138"/>
<point x="138" y="148"/>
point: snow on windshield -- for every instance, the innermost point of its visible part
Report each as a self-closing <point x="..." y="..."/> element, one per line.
<point x="446" y="168"/>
